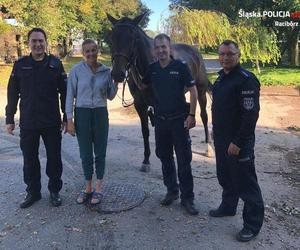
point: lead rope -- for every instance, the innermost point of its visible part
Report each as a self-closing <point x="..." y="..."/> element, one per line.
<point x="125" y="103"/>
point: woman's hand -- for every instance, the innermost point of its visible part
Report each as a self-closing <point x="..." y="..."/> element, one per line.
<point x="71" y="127"/>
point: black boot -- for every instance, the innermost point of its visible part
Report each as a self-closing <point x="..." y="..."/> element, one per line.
<point x="189" y="207"/>
<point x="245" y="235"/>
<point x="55" y="199"/>
<point x="169" y="198"/>
<point x="30" y="199"/>
<point x="221" y="212"/>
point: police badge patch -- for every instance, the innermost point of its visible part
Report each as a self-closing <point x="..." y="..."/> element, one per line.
<point x="248" y="103"/>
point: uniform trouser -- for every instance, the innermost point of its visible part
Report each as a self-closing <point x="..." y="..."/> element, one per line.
<point x="171" y="134"/>
<point x="29" y="143"/>
<point x="236" y="175"/>
<point x="92" y="131"/>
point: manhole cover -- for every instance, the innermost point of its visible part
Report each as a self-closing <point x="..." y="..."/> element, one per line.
<point x="119" y="197"/>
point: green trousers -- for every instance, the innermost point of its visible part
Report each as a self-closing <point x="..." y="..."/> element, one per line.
<point x="91" y="126"/>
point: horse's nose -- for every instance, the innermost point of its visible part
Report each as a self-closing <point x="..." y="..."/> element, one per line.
<point x="118" y="76"/>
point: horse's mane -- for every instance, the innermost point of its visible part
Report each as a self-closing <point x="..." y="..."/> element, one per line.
<point x="127" y="20"/>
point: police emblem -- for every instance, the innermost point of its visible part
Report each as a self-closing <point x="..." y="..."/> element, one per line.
<point x="248" y="103"/>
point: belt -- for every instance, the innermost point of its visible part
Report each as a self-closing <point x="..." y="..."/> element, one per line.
<point x="170" y="117"/>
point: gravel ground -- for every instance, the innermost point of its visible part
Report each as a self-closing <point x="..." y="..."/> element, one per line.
<point x="150" y="226"/>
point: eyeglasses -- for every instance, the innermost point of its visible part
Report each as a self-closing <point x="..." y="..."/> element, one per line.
<point x="227" y="54"/>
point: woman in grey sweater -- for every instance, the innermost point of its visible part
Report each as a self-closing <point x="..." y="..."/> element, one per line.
<point x="89" y="86"/>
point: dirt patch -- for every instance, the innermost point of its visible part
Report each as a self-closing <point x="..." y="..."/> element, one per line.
<point x="288" y="98"/>
<point x="280" y="90"/>
<point x="128" y="111"/>
<point x="151" y="226"/>
<point x="293" y="159"/>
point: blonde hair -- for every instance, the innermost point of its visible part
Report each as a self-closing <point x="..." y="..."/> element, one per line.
<point x="88" y="41"/>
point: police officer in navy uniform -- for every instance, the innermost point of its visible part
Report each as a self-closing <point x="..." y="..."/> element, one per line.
<point x="168" y="79"/>
<point x="38" y="80"/>
<point x="235" y="111"/>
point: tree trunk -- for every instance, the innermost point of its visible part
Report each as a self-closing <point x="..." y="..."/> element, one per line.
<point x="65" y="47"/>
<point x="294" y="50"/>
<point x="257" y="65"/>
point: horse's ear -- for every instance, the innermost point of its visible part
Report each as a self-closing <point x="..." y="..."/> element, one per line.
<point x="111" y="19"/>
<point x="139" y="18"/>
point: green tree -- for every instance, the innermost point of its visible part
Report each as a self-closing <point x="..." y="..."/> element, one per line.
<point x="288" y="36"/>
<point x="28" y="14"/>
<point x="65" y="20"/>
<point x="257" y="43"/>
<point x="4" y="27"/>
<point x="207" y="29"/>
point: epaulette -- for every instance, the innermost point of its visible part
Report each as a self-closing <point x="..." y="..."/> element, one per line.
<point x="248" y="75"/>
<point x="54" y="62"/>
<point x="245" y="73"/>
<point x="22" y="58"/>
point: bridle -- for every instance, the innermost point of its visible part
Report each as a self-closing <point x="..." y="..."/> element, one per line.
<point x="132" y="57"/>
<point x="131" y="60"/>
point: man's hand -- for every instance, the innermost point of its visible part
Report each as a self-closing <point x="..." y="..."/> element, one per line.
<point x="190" y="122"/>
<point x="10" y="128"/>
<point x="71" y="127"/>
<point x="63" y="127"/>
<point x="233" y="149"/>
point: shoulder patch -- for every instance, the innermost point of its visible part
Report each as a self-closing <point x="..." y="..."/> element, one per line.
<point x="248" y="103"/>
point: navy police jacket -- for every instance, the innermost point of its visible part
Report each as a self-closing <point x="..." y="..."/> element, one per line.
<point x="168" y="86"/>
<point x="235" y="106"/>
<point x="38" y="85"/>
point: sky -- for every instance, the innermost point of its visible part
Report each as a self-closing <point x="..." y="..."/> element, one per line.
<point x="158" y="7"/>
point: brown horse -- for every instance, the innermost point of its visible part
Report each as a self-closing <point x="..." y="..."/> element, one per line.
<point x="132" y="52"/>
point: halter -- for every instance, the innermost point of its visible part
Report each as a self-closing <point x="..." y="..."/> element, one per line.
<point x="131" y="60"/>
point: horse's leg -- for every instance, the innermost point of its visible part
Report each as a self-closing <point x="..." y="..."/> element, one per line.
<point x="203" y="114"/>
<point x="141" y="109"/>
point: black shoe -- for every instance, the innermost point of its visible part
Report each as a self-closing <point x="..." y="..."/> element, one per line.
<point x="169" y="198"/>
<point x="55" y="199"/>
<point x="245" y="235"/>
<point x="219" y="212"/>
<point x="189" y="207"/>
<point x="30" y="199"/>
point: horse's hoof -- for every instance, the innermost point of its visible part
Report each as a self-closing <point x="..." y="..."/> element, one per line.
<point x="210" y="151"/>
<point x="145" y="168"/>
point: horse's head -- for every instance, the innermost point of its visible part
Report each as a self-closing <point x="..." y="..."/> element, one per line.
<point x="124" y="39"/>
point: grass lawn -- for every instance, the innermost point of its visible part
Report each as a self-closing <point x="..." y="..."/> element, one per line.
<point x="279" y="76"/>
<point x="69" y="62"/>
<point x="5" y="71"/>
<point x="269" y="75"/>
<point x="272" y="76"/>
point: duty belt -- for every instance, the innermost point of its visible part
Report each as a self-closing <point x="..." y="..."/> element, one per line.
<point x="170" y="117"/>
